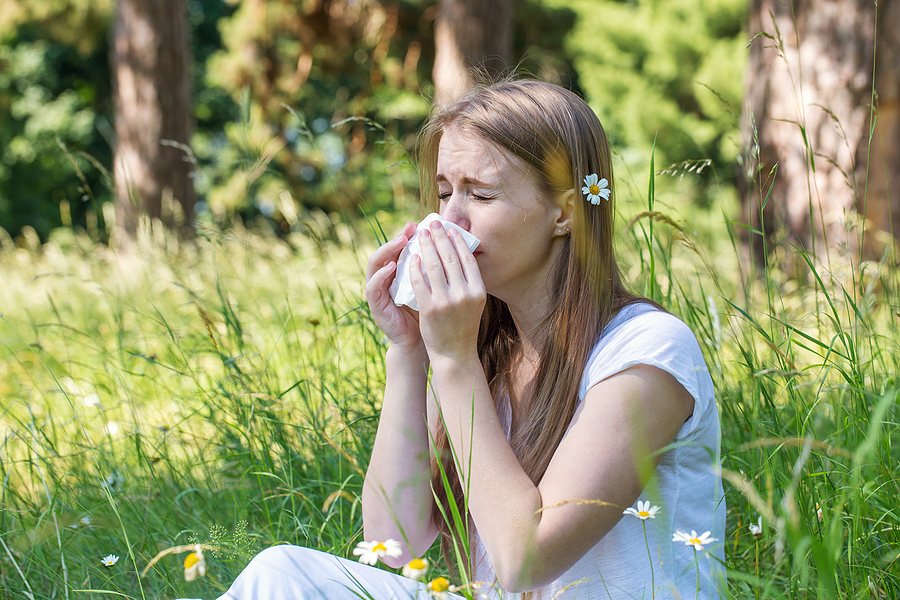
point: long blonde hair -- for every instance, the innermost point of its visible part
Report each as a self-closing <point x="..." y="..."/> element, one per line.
<point x="557" y="134"/>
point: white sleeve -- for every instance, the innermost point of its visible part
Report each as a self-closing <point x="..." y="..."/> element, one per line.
<point x="660" y="340"/>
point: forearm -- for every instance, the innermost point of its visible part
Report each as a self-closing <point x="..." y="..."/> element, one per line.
<point x="397" y="498"/>
<point x="502" y="499"/>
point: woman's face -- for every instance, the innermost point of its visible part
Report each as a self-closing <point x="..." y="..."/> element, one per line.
<point x="496" y="196"/>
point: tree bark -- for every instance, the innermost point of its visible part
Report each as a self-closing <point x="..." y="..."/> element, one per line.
<point x="151" y="64"/>
<point x="879" y="162"/>
<point x="809" y="175"/>
<point x="470" y="34"/>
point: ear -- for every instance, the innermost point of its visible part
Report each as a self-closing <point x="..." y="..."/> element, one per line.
<point x="565" y="204"/>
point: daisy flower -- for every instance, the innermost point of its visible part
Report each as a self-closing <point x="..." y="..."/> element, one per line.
<point x="438" y="588"/>
<point x="110" y="560"/>
<point x="644" y="511"/>
<point x="194" y="565"/>
<point x="693" y="539"/>
<point x="595" y="189"/>
<point x="756" y="528"/>
<point x="415" y="569"/>
<point x="370" y="552"/>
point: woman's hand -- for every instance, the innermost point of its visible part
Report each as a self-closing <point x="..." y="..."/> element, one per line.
<point x="451" y="302"/>
<point x="399" y="323"/>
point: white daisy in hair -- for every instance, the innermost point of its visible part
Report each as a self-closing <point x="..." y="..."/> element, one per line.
<point x="595" y="188"/>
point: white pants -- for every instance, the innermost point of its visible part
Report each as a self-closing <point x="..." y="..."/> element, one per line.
<point x="296" y="573"/>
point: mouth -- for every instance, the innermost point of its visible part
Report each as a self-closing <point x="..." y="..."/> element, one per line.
<point x="477" y="253"/>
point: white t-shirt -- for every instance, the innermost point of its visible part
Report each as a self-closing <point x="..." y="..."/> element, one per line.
<point x="686" y="484"/>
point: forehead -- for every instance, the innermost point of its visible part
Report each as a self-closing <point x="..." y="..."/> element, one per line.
<point x="466" y="155"/>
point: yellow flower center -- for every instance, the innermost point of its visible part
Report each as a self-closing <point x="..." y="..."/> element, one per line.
<point x="696" y="541"/>
<point x="191" y="560"/>
<point x="439" y="585"/>
<point x="595" y="190"/>
<point x="643" y="513"/>
<point x="417" y="563"/>
<point x="379" y="548"/>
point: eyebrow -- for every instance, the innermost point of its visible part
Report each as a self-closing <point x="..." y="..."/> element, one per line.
<point x="468" y="180"/>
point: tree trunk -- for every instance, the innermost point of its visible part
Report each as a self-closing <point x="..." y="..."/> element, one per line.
<point x="808" y="116"/>
<point x="470" y="34"/>
<point x="879" y="165"/>
<point x="151" y="64"/>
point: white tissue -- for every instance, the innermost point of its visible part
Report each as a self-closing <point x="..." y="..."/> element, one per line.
<point x="401" y="289"/>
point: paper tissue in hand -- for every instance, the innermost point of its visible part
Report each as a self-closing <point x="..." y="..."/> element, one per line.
<point x="401" y="289"/>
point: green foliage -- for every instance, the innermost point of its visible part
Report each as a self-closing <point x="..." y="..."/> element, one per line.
<point x="668" y="72"/>
<point x="226" y="392"/>
<point x="55" y="123"/>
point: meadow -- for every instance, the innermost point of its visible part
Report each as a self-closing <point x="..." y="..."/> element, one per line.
<point x="225" y="392"/>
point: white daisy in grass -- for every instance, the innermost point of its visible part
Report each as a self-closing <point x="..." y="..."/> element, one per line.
<point x="194" y="564"/>
<point x="692" y="539"/>
<point x="439" y="587"/>
<point x="595" y="189"/>
<point x="415" y="569"/>
<point x="756" y="528"/>
<point x="109" y="560"/>
<point x="643" y="512"/>
<point x="370" y="552"/>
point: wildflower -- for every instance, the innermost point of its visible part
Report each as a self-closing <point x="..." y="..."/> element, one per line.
<point x="756" y="529"/>
<point x="370" y="552"/>
<point x="819" y="514"/>
<point x="110" y="560"/>
<point x="594" y="189"/>
<point x="194" y="564"/>
<point x="644" y="511"/>
<point x="438" y="588"/>
<point x="112" y="428"/>
<point x="86" y="521"/>
<point x="693" y="539"/>
<point x="415" y="569"/>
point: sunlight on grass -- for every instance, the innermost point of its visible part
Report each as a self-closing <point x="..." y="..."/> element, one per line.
<point x="226" y="392"/>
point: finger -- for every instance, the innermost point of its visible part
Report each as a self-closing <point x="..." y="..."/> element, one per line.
<point x="388" y="252"/>
<point x="420" y="285"/>
<point x="431" y="261"/>
<point x="378" y="283"/>
<point x="450" y="258"/>
<point x="466" y="258"/>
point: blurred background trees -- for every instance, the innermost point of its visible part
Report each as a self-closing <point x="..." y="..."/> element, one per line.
<point x="819" y="162"/>
<point x="151" y="64"/>
<point x="309" y="108"/>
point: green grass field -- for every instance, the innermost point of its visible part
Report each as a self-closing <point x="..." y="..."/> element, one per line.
<point x="226" y="392"/>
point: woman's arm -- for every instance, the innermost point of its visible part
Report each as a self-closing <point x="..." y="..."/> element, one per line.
<point x="397" y="496"/>
<point x="534" y="534"/>
<point x="397" y="499"/>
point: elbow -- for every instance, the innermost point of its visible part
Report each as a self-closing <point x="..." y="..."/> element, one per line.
<point x="519" y="574"/>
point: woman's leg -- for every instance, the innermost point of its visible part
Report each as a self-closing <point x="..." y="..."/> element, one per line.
<point x="296" y="573"/>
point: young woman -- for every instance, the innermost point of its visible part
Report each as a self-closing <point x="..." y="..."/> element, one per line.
<point x="556" y="400"/>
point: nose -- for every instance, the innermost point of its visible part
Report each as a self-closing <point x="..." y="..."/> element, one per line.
<point x="454" y="209"/>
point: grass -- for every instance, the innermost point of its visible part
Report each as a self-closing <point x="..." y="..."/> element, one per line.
<point x="226" y="392"/>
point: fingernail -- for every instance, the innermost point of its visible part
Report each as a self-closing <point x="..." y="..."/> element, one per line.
<point x="425" y="233"/>
<point x="436" y="225"/>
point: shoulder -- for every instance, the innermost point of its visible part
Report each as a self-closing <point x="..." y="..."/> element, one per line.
<point x="643" y="329"/>
<point x="641" y="334"/>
